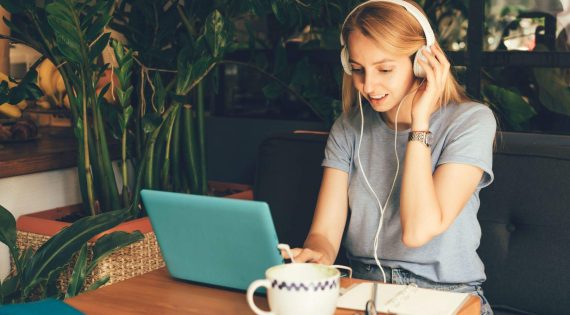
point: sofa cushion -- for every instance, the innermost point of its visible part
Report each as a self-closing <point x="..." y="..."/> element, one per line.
<point x="525" y="221"/>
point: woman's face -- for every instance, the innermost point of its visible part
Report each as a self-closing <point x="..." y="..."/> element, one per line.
<point x="382" y="78"/>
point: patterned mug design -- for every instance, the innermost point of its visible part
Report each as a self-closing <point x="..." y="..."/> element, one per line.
<point x="295" y="286"/>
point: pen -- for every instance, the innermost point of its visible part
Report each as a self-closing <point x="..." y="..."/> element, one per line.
<point x="371" y="304"/>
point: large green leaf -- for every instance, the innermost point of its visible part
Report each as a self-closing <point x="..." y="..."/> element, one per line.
<point x="109" y="243"/>
<point x="515" y="109"/>
<point x="26" y="89"/>
<point x="7" y="228"/>
<point x="553" y="92"/>
<point x="184" y="69"/>
<point x="98" y="46"/>
<point x="9" y="289"/>
<point x="60" y="9"/>
<point x="70" y="50"/>
<point x="216" y="33"/>
<point x="79" y="273"/>
<point x="58" y="250"/>
<point x="66" y="33"/>
<point x="66" y="29"/>
<point x="98" y="283"/>
<point x="97" y="27"/>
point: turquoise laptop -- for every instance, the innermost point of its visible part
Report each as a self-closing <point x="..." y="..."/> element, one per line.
<point x="213" y="240"/>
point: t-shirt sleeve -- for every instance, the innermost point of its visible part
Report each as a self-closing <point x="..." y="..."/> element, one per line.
<point x="471" y="142"/>
<point x="338" y="150"/>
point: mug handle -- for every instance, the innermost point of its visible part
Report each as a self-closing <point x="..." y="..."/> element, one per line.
<point x="344" y="268"/>
<point x="251" y="289"/>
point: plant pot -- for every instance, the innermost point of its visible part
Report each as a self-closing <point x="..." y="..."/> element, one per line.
<point x="136" y="259"/>
<point x="133" y="260"/>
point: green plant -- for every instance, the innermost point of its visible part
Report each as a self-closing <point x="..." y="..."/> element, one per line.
<point x="160" y="127"/>
<point x="36" y="273"/>
<point x="175" y="51"/>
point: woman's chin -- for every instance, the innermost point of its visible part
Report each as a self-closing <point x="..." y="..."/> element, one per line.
<point x="381" y="105"/>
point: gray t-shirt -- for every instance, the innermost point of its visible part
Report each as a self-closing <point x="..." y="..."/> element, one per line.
<point x="462" y="134"/>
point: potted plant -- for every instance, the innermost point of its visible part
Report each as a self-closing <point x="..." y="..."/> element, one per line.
<point x="36" y="273"/>
<point x="158" y="132"/>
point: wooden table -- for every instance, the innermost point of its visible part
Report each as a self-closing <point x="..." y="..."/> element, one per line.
<point x="158" y="293"/>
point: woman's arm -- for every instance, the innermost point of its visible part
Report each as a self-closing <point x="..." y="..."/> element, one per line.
<point x="323" y="242"/>
<point x="430" y="203"/>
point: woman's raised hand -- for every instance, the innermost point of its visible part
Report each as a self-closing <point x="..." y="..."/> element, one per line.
<point x="427" y="99"/>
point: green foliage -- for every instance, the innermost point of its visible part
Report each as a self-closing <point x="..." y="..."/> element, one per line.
<point x="26" y="89"/>
<point x="553" y="92"/>
<point x="513" y="108"/>
<point x="36" y="273"/>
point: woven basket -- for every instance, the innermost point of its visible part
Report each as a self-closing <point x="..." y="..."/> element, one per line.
<point x="127" y="262"/>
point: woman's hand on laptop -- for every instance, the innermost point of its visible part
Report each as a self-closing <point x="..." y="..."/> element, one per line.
<point x="303" y="255"/>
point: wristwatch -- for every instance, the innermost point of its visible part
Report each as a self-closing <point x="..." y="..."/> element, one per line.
<point x="424" y="137"/>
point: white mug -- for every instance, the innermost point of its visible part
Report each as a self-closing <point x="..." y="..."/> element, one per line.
<point x="298" y="289"/>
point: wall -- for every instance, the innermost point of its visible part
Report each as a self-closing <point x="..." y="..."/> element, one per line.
<point x="35" y="192"/>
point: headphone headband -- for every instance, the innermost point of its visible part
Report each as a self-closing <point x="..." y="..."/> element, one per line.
<point x="428" y="32"/>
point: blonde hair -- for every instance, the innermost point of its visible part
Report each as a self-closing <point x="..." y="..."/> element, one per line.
<point x="397" y="32"/>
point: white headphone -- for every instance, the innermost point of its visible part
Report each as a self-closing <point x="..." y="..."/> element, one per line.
<point x="428" y="32"/>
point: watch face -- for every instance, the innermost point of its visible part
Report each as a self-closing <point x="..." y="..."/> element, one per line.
<point x="429" y="138"/>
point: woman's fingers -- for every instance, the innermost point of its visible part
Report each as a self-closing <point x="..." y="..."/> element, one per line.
<point x="294" y="251"/>
<point x="302" y="255"/>
<point x="445" y="65"/>
<point x="308" y="255"/>
<point x="434" y="65"/>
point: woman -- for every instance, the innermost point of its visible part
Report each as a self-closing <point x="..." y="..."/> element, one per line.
<point x="418" y="223"/>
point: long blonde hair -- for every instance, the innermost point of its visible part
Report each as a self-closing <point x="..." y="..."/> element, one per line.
<point x="398" y="32"/>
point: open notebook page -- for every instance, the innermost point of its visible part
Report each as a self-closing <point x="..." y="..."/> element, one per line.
<point x="402" y="299"/>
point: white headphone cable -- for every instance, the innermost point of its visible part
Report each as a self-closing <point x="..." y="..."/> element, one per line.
<point x="368" y="183"/>
<point x="376" y="238"/>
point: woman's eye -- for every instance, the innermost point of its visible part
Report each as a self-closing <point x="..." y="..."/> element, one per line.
<point x="385" y="70"/>
<point x="357" y="70"/>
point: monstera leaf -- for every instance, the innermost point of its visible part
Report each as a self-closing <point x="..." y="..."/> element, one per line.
<point x="553" y="92"/>
<point x="516" y="110"/>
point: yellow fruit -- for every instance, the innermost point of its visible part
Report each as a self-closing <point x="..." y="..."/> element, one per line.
<point x="46" y="71"/>
<point x="43" y="104"/>
<point x="66" y="101"/>
<point x="22" y="105"/>
<point x="10" y="110"/>
<point x="59" y="84"/>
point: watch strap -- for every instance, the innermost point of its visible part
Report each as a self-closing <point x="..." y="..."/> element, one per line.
<point x="421" y="136"/>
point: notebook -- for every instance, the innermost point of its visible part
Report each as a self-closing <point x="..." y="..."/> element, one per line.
<point x="213" y="240"/>
<point x="403" y="299"/>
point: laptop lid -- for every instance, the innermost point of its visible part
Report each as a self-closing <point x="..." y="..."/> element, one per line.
<point x="213" y="240"/>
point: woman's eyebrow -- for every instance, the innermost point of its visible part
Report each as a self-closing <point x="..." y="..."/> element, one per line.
<point x="385" y="60"/>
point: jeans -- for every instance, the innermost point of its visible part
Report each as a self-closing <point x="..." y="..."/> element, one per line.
<point x="405" y="277"/>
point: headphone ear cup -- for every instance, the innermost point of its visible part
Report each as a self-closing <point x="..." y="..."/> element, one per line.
<point x="418" y="70"/>
<point x="344" y="61"/>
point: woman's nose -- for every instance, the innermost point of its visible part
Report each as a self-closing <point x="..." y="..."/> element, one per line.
<point x="369" y="84"/>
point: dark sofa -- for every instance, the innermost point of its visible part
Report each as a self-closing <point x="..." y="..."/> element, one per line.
<point x="524" y="214"/>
